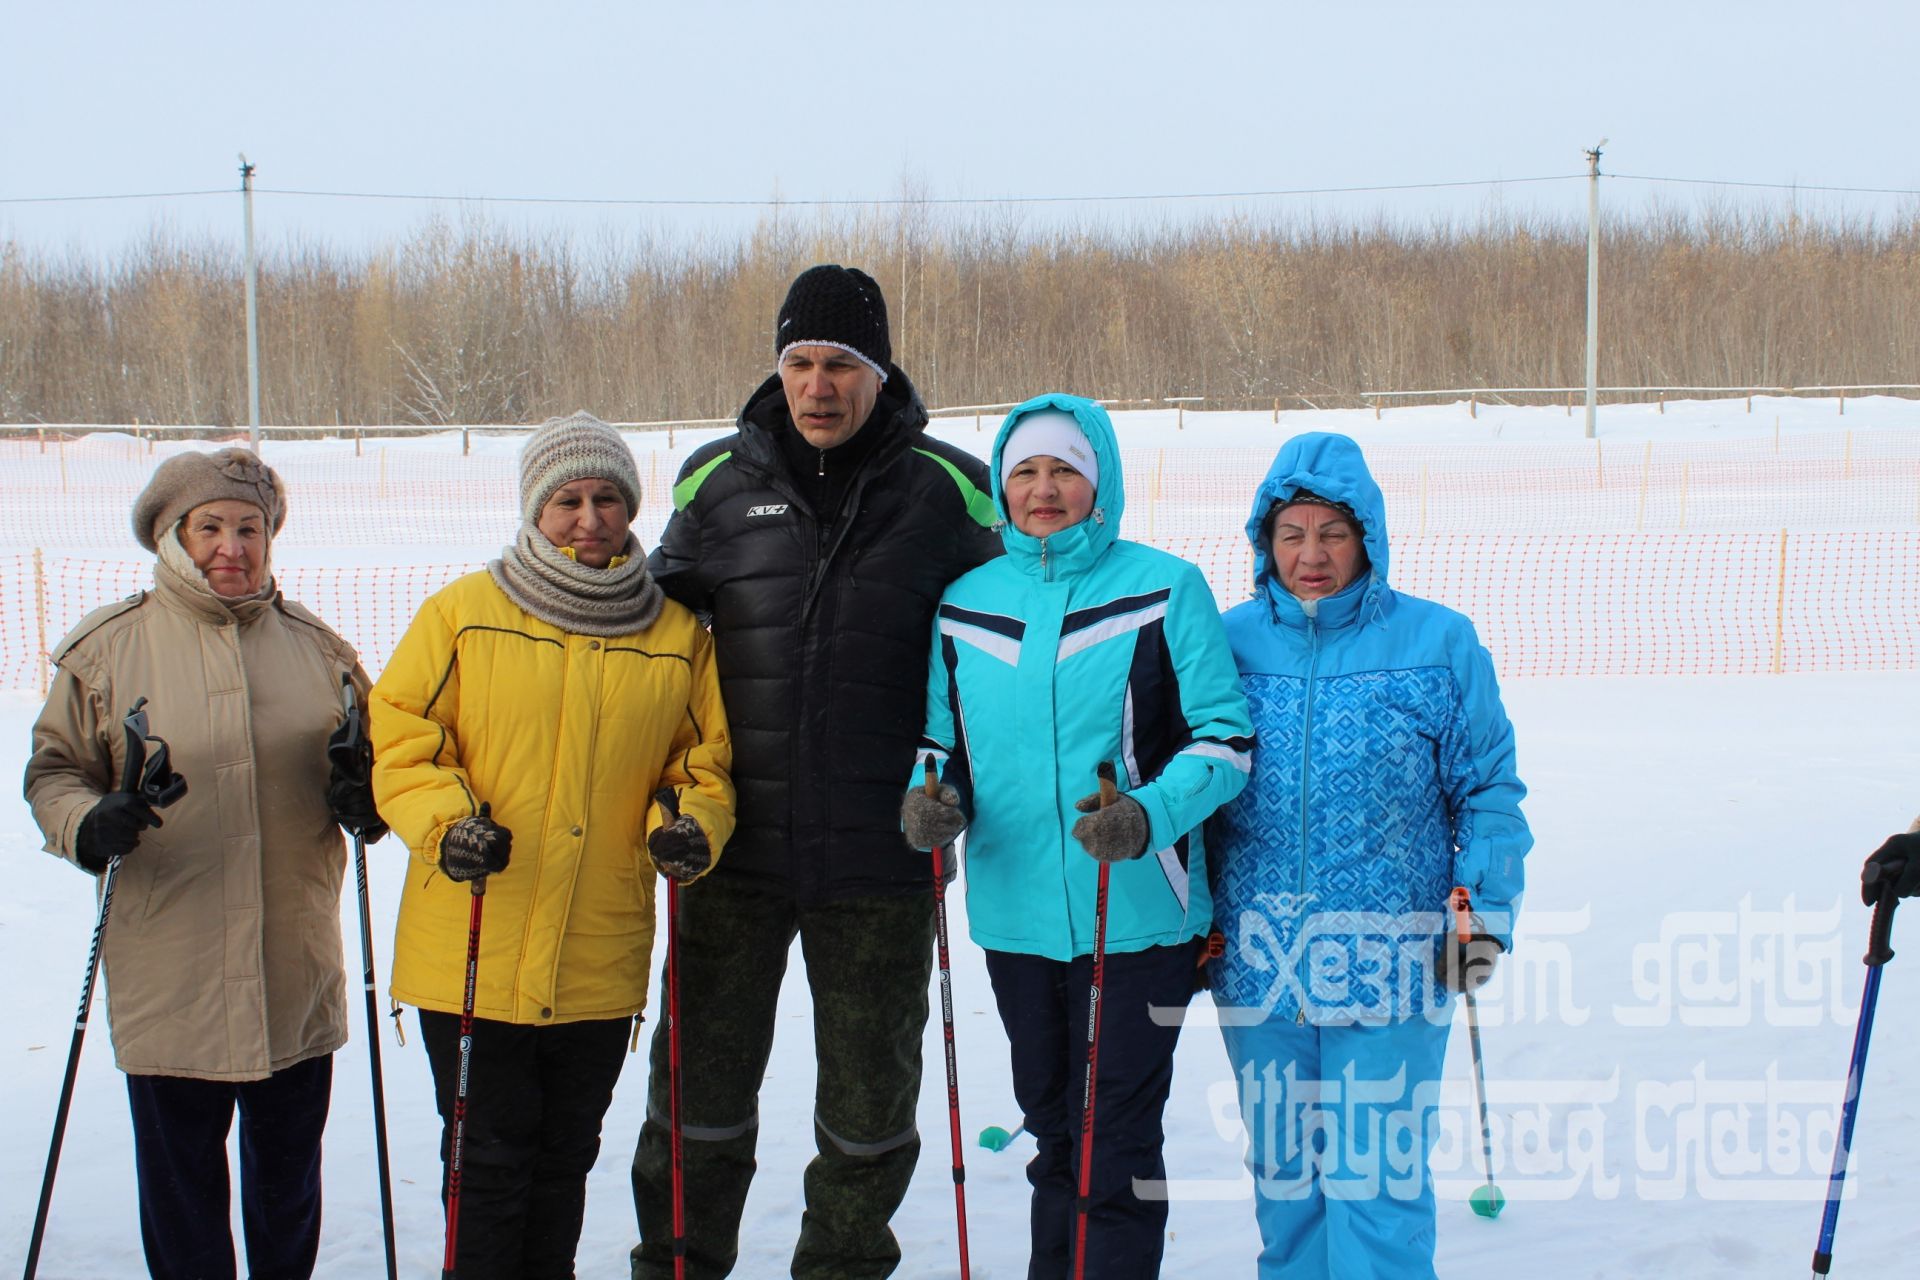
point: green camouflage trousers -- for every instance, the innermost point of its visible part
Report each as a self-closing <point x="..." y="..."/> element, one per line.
<point x="868" y="965"/>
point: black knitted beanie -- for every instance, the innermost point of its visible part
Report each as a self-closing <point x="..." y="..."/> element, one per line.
<point x="835" y="306"/>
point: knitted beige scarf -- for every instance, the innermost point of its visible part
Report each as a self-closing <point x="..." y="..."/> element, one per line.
<point x="554" y="587"/>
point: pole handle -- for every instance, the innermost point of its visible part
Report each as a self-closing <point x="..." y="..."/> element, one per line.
<point x="1460" y="902"/>
<point x="1880" y="935"/>
<point x="1109" y="792"/>
<point x="930" y="779"/>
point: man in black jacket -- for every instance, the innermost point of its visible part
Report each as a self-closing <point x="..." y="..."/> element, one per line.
<point x="816" y="539"/>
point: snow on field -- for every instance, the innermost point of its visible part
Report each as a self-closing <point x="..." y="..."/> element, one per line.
<point x="1665" y="1049"/>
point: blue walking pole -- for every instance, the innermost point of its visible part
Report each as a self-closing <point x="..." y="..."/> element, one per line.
<point x="1879" y="951"/>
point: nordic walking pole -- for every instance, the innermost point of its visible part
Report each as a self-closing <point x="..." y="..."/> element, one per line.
<point x="73" y="1066"/>
<point x="448" y="1268"/>
<point x="946" y="1019"/>
<point x="1108" y="794"/>
<point x="1879" y="951"/>
<point x="160" y="791"/>
<point x="355" y="747"/>
<point x="670" y="805"/>
<point x="1486" y="1201"/>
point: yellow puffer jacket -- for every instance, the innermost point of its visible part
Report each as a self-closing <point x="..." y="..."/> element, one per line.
<point x="567" y="737"/>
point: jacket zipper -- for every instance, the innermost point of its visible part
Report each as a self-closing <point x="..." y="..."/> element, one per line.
<point x="1306" y="766"/>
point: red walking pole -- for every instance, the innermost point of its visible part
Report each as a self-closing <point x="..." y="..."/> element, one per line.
<point x="673" y="1080"/>
<point x="946" y="1019"/>
<point x="669" y="803"/>
<point x="448" y="1268"/>
<point x="1109" y="792"/>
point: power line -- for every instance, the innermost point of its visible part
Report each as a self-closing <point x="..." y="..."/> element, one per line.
<point x="887" y="201"/>
<point x="127" y="195"/>
<point x="906" y="201"/>
<point x="1770" y="186"/>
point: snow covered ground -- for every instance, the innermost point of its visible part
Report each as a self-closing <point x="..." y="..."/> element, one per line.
<point x="1665" y="1049"/>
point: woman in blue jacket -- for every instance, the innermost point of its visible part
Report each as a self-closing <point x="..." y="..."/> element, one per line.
<point x="1078" y="648"/>
<point x="1384" y="777"/>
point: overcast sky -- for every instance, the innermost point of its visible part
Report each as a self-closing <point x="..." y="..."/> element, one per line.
<point x="749" y="101"/>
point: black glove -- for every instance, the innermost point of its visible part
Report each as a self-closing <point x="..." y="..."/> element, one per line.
<point x="1898" y="861"/>
<point x="111" y="829"/>
<point x="932" y="822"/>
<point x="680" y="850"/>
<point x="475" y="847"/>
<point x="351" y="805"/>
<point x="1115" y="833"/>
<point x="349" y="751"/>
<point x="1466" y="966"/>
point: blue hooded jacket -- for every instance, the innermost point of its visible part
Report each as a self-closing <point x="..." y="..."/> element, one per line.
<point x="1065" y="652"/>
<point x="1383" y="777"/>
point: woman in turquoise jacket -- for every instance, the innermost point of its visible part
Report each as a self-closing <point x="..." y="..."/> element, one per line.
<point x="1384" y="777"/>
<point x="1074" y="649"/>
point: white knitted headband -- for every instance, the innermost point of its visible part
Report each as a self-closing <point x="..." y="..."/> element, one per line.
<point x="837" y="346"/>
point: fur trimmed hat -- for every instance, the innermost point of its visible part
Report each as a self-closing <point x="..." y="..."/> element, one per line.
<point x="835" y="306"/>
<point x="576" y="447"/>
<point x="189" y="480"/>
<point x="1308" y="498"/>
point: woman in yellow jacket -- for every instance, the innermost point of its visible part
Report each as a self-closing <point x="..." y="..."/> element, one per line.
<point x="522" y="732"/>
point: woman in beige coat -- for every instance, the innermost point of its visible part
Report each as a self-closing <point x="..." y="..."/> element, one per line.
<point x="223" y="955"/>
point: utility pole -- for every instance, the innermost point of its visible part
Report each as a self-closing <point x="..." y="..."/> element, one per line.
<point x="1593" y="282"/>
<point x="253" y="314"/>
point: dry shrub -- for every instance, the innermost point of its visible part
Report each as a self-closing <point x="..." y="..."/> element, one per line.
<point x="469" y="323"/>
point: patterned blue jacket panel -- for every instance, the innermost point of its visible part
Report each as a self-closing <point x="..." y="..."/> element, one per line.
<point x="1383" y="775"/>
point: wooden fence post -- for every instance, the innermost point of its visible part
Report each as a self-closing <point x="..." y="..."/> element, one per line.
<point x="1473" y="404"/>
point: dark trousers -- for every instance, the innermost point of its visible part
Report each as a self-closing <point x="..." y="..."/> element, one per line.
<point x="1043" y="1005"/>
<point x="535" y="1099"/>
<point x="868" y="964"/>
<point x="180" y="1129"/>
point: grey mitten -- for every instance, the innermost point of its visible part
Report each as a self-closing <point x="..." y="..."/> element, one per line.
<point x="932" y="822"/>
<point x="1115" y="833"/>
<point x="1467" y="966"/>
<point x="475" y="847"/>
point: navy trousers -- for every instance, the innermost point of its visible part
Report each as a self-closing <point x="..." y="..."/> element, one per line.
<point x="180" y="1129"/>
<point x="535" y="1099"/>
<point x="1043" y="1005"/>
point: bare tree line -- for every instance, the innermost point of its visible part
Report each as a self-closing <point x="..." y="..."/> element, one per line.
<point x="471" y="323"/>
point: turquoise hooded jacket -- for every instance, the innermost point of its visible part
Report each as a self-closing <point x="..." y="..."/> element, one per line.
<point x="1384" y="776"/>
<point x="1069" y="651"/>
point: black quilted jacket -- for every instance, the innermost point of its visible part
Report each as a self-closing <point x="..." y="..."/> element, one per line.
<point x="822" y="622"/>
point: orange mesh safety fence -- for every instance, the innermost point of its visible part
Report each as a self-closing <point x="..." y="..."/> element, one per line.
<point x="1544" y="604"/>
<point x="76" y="494"/>
<point x="1685" y="557"/>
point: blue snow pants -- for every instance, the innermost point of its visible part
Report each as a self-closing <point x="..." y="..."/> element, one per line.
<point x="1340" y="1122"/>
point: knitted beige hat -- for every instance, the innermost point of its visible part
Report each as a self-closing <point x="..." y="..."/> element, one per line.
<point x="189" y="480"/>
<point x="577" y="447"/>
